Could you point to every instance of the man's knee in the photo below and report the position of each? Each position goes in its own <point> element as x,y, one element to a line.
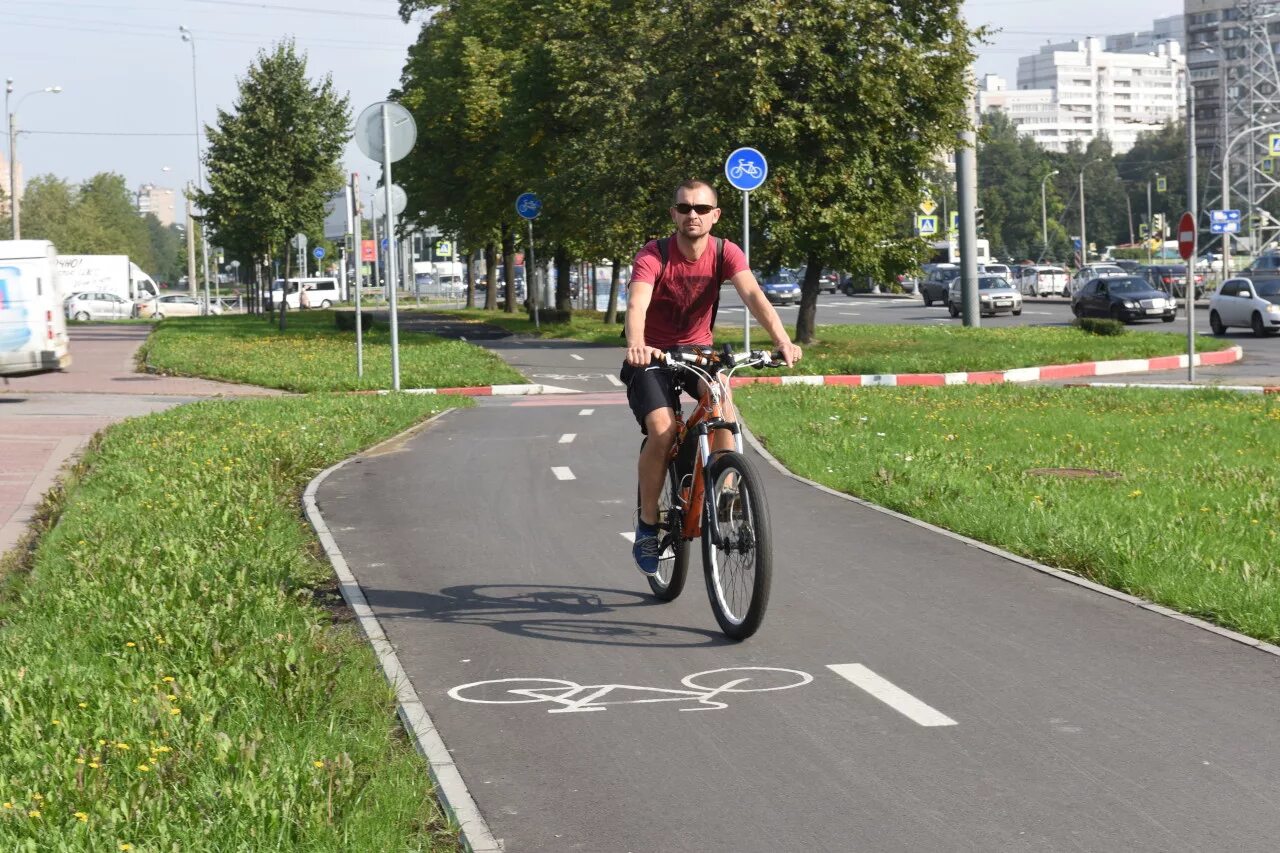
<point>660,425</point>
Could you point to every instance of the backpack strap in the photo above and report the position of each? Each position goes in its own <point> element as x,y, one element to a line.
<point>664,252</point>
<point>715,309</point>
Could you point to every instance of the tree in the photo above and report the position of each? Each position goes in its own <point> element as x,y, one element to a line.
<point>273,162</point>
<point>97,217</point>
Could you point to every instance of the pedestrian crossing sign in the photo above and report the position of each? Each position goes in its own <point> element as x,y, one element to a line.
<point>1162,184</point>
<point>926,225</point>
<point>1273,144</point>
<point>954,225</point>
<point>1268,165</point>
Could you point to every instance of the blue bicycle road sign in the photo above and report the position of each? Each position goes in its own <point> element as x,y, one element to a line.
<point>318,251</point>
<point>528,205</point>
<point>746,169</point>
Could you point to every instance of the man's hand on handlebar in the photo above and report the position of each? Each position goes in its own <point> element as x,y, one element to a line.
<point>790,353</point>
<point>643,356</point>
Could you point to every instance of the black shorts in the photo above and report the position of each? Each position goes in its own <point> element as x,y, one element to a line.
<point>650,388</point>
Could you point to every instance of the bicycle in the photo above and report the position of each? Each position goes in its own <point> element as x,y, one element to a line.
<point>715,495</point>
<point>745,167</point>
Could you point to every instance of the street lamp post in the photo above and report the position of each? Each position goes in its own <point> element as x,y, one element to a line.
<point>1226,186</point>
<point>1084,241</point>
<point>190,39</point>
<point>13,147</point>
<point>1044,214</point>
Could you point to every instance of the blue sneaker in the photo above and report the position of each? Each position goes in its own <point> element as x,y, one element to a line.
<point>646,548</point>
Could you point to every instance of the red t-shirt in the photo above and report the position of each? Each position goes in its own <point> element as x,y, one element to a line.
<point>680,311</point>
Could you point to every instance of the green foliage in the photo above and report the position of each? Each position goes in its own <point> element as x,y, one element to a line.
<point>1104,326</point>
<point>98,217</point>
<point>273,161</point>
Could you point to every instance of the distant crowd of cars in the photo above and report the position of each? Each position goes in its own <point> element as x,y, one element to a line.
<point>89,306</point>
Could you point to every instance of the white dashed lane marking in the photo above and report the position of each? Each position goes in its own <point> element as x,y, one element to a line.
<point>892,695</point>
<point>568,437</point>
<point>562,473</point>
<point>574,355</point>
<point>586,411</point>
<point>613,379</point>
<point>630,536</point>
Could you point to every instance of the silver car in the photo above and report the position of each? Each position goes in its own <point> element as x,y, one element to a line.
<point>995,296</point>
<point>1248,303</point>
<point>97,306</point>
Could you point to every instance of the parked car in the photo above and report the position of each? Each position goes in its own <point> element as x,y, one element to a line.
<point>995,296</point>
<point>1125,298</point>
<point>935,284</point>
<point>1172,278</point>
<point>828,280</point>
<point>1244,302</point>
<point>1001,270</point>
<point>97,306</point>
<point>781,288</point>
<point>1129,266</point>
<point>176,305</point>
<point>1088,273</point>
<point>1266,265</point>
<point>1042,280</point>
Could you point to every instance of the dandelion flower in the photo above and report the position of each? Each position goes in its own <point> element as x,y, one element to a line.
<point>167,679</point>
<point>33,813</point>
<point>95,765</point>
<point>82,817</point>
<point>79,761</point>
<point>125,845</point>
<point>82,704</point>
<point>175,711</point>
<point>56,722</point>
<point>144,767</point>
<point>1136,493</point>
<point>124,746</point>
<point>8,805</point>
<point>130,644</point>
<point>314,764</point>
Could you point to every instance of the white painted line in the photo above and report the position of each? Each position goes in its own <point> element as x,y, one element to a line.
<point>890,694</point>
<point>575,356</point>
<point>613,380</point>
<point>568,437</point>
<point>586,412</point>
<point>630,536</point>
<point>850,314</point>
<point>562,473</point>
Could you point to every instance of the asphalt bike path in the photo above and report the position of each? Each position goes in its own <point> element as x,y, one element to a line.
<point>907,690</point>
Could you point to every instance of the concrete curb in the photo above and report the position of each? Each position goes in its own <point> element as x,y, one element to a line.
<point>996,377</point>
<point>451,790</point>
<point>484,390</point>
<point>1141,603</point>
<point>1183,386</point>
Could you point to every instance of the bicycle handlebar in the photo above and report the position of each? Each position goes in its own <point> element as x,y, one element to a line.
<point>707,357</point>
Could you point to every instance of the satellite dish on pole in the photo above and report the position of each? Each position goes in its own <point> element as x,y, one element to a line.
<point>398,201</point>
<point>402,135</point>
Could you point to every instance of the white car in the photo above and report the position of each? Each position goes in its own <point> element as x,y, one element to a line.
<point>1246,303</point>
<point>995,296</point>
<point>176,305</point>
<point>97,306</point>
<point>1089,272</point>
<point>1042,280</point>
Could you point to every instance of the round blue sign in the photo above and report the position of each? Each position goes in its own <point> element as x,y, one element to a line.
<point>318,251</point>
<point>528,205</point>
<point>746,169</point>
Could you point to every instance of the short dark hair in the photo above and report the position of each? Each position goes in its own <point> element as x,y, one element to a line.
<point>692,184</point>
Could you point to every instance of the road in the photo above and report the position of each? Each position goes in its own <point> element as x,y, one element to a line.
<point>927,695</point>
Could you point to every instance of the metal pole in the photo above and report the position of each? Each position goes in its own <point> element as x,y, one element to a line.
<point>1150,223</point>
<point>13,170</point>
<point>531,277</point>
<point>966,201</point>
<point>1084,241</point>
<point>391,255</point>
<point>1190,292</point>
<point>746,252</point>
<point>359,284</point>
<point>1044,214</point>
<point>1226,236</point>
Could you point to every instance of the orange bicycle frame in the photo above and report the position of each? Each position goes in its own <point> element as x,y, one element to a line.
<point>706,417</point>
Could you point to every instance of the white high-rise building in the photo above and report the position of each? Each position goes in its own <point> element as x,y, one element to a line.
<point>1077,91</point>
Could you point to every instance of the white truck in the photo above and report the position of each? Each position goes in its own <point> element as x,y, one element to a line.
<point>33,330</point>
<point>105,274</point>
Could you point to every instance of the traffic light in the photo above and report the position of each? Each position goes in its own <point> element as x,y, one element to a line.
<point>1142,230</point>
<point>979,219</point>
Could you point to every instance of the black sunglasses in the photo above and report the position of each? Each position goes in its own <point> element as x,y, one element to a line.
<point>701,209</point>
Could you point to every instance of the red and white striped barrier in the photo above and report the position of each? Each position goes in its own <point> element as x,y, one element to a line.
<point>996,377</point>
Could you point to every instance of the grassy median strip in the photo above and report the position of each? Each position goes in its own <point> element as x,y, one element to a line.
<point>857,349</point>
<point>175,672</point>
<point>1171,496</point>
<point>313,355</point>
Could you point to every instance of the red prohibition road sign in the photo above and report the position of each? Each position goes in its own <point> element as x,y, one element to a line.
<point>1187,236</point>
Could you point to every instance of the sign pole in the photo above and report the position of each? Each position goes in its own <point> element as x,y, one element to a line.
<point>1187,248</point>
<point>746,252</point>
<point>531,277</point>
<point>391,254</point>
<point>358,284</point>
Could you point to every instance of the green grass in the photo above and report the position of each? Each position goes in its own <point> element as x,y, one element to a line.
<point>857,349</point>
<point>1191,523</point>
<point>170,677</point>
<point>312,355</point>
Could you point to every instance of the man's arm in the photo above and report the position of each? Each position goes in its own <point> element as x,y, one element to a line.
<point>638,295</point>
<point>753,297</point>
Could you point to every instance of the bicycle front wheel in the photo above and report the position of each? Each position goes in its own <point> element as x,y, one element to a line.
<point>737,551</point>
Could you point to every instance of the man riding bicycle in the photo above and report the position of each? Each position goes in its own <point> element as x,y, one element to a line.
<point>671,302</point>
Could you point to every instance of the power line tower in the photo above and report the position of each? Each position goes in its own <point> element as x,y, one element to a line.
<point>1232,64</point>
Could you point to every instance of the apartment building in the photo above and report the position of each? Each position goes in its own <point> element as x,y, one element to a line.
<point>161,201</point>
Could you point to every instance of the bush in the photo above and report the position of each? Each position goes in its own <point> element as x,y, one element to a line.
<point>1099,326</point>
<point>346,321</point>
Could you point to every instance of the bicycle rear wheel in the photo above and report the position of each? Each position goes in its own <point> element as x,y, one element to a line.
<point>737,551</point>
<point>673,558</point>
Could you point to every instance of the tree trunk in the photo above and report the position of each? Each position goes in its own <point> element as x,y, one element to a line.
<point>808,312</point>
<point>284,291</point>
<point>611,313</point>
<point>564,293</point>
<point>491,275</point>
<point>509,267</point>
<point>470,279</point>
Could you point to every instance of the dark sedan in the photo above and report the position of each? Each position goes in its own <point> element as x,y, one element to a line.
<point>1172,278</point>
<point>1124,298</point>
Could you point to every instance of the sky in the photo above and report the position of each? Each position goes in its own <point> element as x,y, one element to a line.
<point>128,82</point>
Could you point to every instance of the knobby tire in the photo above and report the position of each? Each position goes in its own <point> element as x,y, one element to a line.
<point>739,569</point>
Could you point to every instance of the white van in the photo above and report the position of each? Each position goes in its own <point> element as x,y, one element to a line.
<point>317,292</point>
<point>1042,280</point>
<point>33,329</point>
